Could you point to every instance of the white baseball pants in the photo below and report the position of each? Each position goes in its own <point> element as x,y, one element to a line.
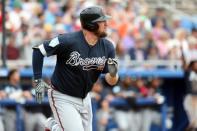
<point>71,113</point>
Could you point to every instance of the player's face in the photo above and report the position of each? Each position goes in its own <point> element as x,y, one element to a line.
<point>102,31</point>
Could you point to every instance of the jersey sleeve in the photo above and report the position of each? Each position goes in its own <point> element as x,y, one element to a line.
<point>53,46</point>
<point>111,54</point>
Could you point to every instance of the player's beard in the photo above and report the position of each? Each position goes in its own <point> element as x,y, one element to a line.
<point>100,34</point>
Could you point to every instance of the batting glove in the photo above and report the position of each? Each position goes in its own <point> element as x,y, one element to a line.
<point>40,86</point>
<point>112,66</point>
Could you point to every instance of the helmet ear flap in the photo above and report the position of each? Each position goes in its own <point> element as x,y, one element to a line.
<point>90,26</point>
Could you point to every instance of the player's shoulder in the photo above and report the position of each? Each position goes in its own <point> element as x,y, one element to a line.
<point>108,43</point>
<point>68,36</point>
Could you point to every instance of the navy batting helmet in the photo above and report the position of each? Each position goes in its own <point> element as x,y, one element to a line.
<point>90,16</point>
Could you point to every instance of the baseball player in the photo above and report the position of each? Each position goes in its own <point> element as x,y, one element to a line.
<point>189,60</point>
<point>81,57</point>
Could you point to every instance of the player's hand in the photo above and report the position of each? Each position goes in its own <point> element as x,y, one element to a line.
<point>40,86</point>
<point>112,66</point>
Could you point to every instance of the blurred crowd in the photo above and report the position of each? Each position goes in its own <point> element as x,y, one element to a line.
<point>32,117</point>
<point>136,30</point>
<point>131,117</point>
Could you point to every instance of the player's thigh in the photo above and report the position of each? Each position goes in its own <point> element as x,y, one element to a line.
<point>68,117</point>
<point>66,114</point>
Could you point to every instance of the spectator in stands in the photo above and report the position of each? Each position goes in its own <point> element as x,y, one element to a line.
<point>142,21</point>
<point>27,38</point>
<point>23,40</point>
<point>180,41</point>
<point>32,121</point>
<point>149,42</point>
<point>141,87</point>
<point>13,52</point>
<point>176,22</point>
<point>160,13</point>
<point>162,44</point>
<point>174,53</point>
<point>50,13</point>
<point>128,41</point>
<point>154,86</point>
<point>138,52</point>
<point>153,53</point>
<point>15,18</point>
<point>68,16</point>
<point>158,29</point>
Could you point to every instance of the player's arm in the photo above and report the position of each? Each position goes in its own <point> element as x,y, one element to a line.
<point>37,63</point>
<point>111,66</point>
<point>48,48</point>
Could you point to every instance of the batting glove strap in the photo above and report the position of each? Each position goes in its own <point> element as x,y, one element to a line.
<point>112,66</point>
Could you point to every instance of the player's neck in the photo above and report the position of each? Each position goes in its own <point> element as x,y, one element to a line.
<point>90,37</point>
